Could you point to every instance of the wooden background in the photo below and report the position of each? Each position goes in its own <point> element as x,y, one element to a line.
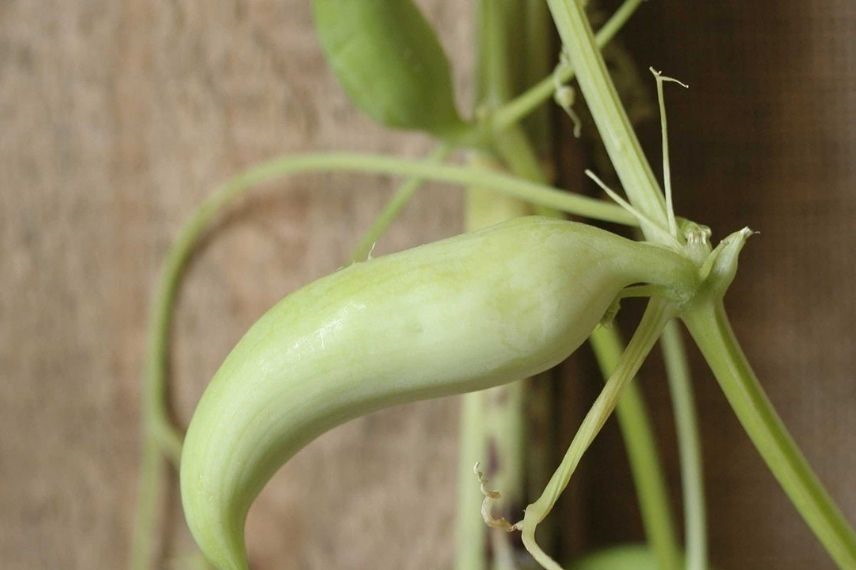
<point>116,118</point>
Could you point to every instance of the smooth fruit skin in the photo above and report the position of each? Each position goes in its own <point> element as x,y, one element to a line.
<point>458,315</point>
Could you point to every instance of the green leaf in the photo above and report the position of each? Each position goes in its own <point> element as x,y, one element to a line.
<point>624,557</point>
<point>390,62</point>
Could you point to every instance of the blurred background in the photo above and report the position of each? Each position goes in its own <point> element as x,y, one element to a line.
<point>117,118</point>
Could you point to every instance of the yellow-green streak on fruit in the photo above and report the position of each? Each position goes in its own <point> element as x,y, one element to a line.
<point>458,315</point>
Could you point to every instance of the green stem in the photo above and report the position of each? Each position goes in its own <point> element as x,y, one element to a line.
<point>157,424</point>
<point>149,496</point>
<point>689,446</point>
<point>538,194</point>
<point>534,61</point>
<point>709,326</point>
<point>609,115</point>
<point>514,148</point>
<point>642,454</point>
<point>393,208</point>
<point>154,413</point>
<point>470,530</point>
<point>656,316</point>
<point>513,111</point>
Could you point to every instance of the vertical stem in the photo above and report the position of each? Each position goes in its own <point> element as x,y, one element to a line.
<point>618,136</point>
<point>470,530</point>
<point>642,455</point>
<point>149,496</point>
<point>709,326</point>
<point>689,446</point>
<point>537,56</point>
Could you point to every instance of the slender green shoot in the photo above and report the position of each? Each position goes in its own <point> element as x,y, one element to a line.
<point>664,131</point>
<point>469,529</point>
<point>708,323</point>
<point>149,494</point>
<point>393,208</point>
<point>642,455</point>
<point>689,446</point>
<point>655,226</point>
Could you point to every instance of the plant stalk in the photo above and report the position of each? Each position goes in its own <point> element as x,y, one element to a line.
<point>689,447</point>
<point>642,454</point>
<point>609,115</point>
<point>523,104</point>
<point>708,323</point>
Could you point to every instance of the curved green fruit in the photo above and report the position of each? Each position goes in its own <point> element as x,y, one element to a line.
<point>458,315</point>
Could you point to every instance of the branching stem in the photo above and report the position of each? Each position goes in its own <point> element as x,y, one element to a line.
<point>515,110</point>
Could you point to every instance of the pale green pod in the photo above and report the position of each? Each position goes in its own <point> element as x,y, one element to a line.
<point>390,63</point>
<point>462,314</point>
